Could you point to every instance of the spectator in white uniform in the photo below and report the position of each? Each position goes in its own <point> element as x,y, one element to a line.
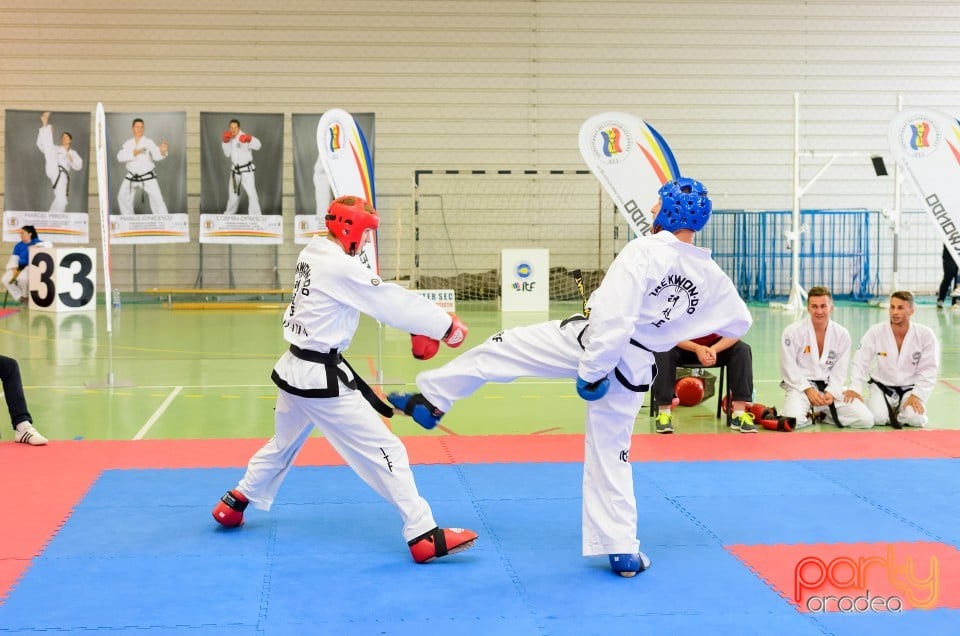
<point>814,360</point>
<point>901,360</point>
<point>139,155</point>
<point>661,289</point>
<point>58,161</point>
<point>238,146</point>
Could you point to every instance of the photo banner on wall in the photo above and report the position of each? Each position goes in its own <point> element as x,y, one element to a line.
<point>312,192</point>
<point>241,178</point>
<point>47,178</point>
<point>147,173</point>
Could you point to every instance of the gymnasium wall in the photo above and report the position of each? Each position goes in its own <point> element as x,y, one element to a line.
<point>503,84</point>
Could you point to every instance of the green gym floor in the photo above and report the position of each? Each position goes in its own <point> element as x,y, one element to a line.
<point>195,374</point>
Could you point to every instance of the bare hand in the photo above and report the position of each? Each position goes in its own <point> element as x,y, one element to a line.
<point>815,397</point>
<point>849,396</point>
<point>163,148</point>
<point>706,356</point>
<point>915,403</point>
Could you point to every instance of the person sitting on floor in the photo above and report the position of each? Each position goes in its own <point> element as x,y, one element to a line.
<point>901,360</point>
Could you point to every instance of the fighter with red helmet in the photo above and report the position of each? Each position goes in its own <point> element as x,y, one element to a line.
<point>318,388</point>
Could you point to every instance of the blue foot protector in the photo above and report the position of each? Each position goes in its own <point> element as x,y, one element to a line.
<point>629,564</point>
<point>417,407</point>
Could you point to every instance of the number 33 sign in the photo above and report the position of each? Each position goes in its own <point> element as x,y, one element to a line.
<point>63,279</point>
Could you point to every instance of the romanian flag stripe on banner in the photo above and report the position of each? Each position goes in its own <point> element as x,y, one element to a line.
<point>631,160</point>
<point>926,146</point>
<point>348,164</point>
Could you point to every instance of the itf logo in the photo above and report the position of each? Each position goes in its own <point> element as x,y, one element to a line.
<point>523,271</point>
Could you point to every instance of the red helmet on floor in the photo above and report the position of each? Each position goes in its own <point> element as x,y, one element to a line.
<point>349,218</point>
<point>689,391</point>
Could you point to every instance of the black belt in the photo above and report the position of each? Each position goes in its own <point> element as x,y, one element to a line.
<point>138,178</point>
<point>237,171</point>
<point>821,386</point>
<point>636,388</point>
<point>62,172</point>
<point>331,360</point>
<point>893,392</point>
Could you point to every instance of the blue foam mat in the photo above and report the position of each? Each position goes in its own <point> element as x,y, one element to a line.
<point>329,558</point>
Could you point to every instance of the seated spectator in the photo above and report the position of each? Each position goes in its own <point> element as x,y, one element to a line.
<point>901,360</point>
<point>18,285</point>
<point>23,429</point>
<point>708,351</point>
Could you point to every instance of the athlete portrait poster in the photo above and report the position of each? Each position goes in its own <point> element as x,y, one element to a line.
<point>47,174</point>
<point>147,172</point>
<point>241,178</point>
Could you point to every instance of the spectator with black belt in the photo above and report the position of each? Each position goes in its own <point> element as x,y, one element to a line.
<point>814,359</point>
<point>901,360</point>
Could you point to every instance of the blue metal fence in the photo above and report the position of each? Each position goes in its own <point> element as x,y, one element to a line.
<point>838,249</point>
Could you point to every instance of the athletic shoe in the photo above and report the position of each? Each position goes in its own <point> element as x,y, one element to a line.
<point>939,304</point>
<point>628,565</point>
<point>441,542</point>
<point>26,434</point>
<point>744,423</point>
<point>956,291</point>
<point>664,422</point>
<point>417,407</point>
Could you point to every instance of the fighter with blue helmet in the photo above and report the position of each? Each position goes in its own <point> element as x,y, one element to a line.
<point>659,290</point>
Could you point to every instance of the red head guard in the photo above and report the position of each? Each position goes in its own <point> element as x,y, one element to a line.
<point>689,390</point>
<point>348,218</point>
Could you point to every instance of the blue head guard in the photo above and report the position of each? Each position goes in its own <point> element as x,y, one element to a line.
<point>684,205</point>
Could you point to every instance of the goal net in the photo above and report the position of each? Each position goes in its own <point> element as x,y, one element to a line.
<point>463,219</point>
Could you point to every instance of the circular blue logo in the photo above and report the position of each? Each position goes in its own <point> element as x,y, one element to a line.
<point>524,270</point>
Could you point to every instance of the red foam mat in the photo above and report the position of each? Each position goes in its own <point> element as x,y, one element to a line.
<point>46,483</point>
<point>845,577</point>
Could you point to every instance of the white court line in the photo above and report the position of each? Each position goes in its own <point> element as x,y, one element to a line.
<point>156,414</point>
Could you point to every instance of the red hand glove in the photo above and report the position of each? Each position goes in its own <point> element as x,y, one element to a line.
<point>423,347</point>
<point>227,136</point>
<point>456,334</point>
<point>245,138</point>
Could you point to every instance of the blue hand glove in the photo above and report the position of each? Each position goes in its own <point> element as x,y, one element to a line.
<point>591,391</point>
